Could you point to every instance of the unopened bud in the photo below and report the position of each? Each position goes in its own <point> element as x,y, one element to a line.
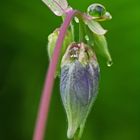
<point>79,85</point>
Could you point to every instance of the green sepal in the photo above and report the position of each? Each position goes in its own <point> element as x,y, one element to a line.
<point>52,38</point>
<point>101,47</point>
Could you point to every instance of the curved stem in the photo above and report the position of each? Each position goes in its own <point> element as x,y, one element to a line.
<point>46,95</point>
<point>81,31</point>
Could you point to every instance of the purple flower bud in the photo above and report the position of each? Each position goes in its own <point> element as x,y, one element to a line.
<point>79,85</point>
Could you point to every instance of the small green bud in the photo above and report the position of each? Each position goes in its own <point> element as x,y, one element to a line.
<point>52,38</point>
<point>79,85</point>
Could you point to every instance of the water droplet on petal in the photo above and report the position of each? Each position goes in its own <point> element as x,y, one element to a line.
<point>109,63</point>
<point>108,15</point>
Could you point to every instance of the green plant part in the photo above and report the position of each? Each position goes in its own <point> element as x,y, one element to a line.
<point>52,38</point>
<point>101,47</point>
<point>75,63</point>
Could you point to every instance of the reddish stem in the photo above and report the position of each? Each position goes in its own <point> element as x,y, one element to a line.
<point>46,95</point>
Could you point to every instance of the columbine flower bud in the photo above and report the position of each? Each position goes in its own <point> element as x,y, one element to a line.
<point>79,85</point>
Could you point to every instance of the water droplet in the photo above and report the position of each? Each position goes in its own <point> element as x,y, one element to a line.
<point>109,63</point>
<point>108,15</point>
<point>96,10</point>
<point>86,37</point>
<point>76,19</point>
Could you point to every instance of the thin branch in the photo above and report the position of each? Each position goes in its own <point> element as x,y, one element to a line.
<point>47,91</point>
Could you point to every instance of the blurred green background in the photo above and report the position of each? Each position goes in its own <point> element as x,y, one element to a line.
<point>24,27</point>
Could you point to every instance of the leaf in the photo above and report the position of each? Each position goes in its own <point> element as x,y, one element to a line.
<point>58,7</point>
<point>101,46</point>
<point>95,27</point>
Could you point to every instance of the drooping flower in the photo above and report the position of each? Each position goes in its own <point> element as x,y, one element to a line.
<point>79,85</point>
<point>80,72</point>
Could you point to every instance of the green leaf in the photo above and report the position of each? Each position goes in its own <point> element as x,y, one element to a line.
<point>95,27</point>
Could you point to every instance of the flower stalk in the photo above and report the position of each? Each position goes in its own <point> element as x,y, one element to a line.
<point>39,131</point>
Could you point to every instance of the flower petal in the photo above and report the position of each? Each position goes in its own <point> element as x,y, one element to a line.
<point>58,7</point>
<point>95,27</point>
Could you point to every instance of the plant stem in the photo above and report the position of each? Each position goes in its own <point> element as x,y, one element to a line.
<point>46,95</point>
<point>72,31</point>
<point>81,31</point>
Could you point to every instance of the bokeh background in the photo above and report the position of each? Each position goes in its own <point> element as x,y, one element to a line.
<point>24,27</point>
